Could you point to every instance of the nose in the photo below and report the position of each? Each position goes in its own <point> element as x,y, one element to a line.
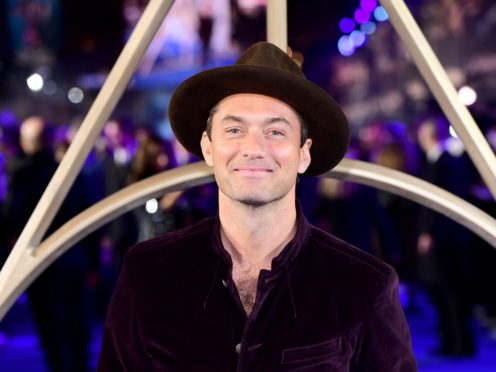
<point>253,146</point>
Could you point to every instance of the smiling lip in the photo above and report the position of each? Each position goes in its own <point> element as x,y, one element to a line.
<point>252,170</point>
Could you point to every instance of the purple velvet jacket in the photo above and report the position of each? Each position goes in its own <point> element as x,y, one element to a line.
<point>324,306</point>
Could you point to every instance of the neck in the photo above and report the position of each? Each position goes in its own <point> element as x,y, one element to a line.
<point>253,236</point>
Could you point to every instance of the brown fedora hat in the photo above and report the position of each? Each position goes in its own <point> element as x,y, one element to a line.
<point>262,69</point>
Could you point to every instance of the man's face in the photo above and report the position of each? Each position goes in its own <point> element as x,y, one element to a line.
<point>255,149</point>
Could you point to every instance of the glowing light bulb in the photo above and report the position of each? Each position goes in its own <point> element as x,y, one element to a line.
<point>35,82</point>
<point>151,206</point>
<point>467,95</point>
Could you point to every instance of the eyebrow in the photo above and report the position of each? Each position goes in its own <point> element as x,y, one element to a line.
<point>271,120</point>
<point>232,118</point>
<point>278,119</point>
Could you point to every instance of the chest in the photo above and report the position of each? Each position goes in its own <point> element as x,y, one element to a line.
<point>247,289</point>
<point>216,336</point>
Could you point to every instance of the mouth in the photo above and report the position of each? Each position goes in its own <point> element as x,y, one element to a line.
<point>253,170</point>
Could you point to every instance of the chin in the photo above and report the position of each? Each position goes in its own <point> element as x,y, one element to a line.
<point>257,201</point>
<point>253,202</point>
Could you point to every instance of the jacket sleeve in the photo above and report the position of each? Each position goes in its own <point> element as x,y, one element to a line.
<point>384,343</point>
<point>122,349</point>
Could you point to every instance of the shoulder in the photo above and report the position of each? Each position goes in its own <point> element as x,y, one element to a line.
<point>172,264</point>
<point>348,262</point>
<point>176,243</point>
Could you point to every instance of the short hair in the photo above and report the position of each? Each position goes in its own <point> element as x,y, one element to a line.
<point>303,125</point>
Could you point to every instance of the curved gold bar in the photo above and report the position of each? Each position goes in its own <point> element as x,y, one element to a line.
<point>16,278</point>
<point>419,191</point>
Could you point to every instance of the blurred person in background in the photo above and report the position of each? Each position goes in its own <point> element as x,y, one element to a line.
<point>485,254</point>
<point>400,153</point>
<point>58,296</point>
<point>443,246</point>
<point>156,216</point>
<point>118,148</point>
<point>351,211</point>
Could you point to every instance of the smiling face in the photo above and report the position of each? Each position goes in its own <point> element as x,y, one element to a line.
<point>255,149</point>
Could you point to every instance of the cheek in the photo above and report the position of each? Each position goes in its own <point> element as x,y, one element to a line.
<point>287,153</point>
<point>224,152</point>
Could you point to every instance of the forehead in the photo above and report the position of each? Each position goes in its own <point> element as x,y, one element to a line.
<point>256,104</point>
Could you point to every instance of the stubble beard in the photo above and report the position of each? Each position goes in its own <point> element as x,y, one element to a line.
<point>253,201</point>
<point>258,203</point>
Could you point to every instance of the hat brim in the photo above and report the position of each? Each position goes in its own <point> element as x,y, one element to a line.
<point>327,125</point>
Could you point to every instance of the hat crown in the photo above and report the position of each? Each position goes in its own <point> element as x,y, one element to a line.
<point>268,55</point>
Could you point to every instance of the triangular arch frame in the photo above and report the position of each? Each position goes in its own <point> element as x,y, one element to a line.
<point>30,256</point>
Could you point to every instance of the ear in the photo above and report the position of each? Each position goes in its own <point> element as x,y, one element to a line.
<point>305,157</point>
<point>206,146</point>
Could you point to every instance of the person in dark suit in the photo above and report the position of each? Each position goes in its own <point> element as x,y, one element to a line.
<point>443,246</point>
<point>58,296</point>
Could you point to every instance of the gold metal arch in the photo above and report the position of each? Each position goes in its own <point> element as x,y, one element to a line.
<point>199,173</point>
<point>29,258</point>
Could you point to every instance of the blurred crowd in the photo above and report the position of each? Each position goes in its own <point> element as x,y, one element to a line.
<point>431,253</point>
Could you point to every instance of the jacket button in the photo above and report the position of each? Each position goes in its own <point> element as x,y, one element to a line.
<point>238,348</point>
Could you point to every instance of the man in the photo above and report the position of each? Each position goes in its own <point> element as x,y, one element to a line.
<point>58,296</point>
<point>256,288</point>
<point>444,247</point>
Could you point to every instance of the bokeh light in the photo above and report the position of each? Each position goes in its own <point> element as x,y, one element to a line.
<point>357,38</point>
<point>35,82</point>
<point>368,28</point>
<point>368,5</point>
<point>361,16</point>
<point>151,206</point>
<point>75,95</point>
<point>50,88</point>
<point>346,25</point>
<point>345,46</point>
<point>380,14</point>
<point>467,95</point>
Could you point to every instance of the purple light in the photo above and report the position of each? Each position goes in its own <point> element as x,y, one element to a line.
<point>368,5</point>
<point>357,38</point>
<point>345,46</point>
<point>346,25</point>
<point>368,28</point>
<point>7,118</point>
<point>361,16</point>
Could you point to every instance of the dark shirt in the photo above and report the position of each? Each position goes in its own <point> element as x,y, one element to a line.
<point>324,305</point>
